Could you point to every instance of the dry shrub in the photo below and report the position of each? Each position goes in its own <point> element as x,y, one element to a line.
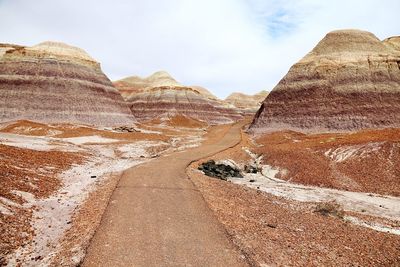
<point>331,208</point>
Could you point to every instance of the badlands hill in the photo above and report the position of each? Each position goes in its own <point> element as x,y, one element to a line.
<point>247,103</point>
<point>135,84</point>
<point>393,43</point>
<point>203,91</point>
<point>349,81</point>
<point>53,82</point>
<point>160,96</point>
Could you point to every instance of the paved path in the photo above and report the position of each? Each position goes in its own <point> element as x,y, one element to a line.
<point>157,217</point>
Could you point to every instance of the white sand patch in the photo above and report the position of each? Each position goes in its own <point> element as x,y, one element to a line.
<point>373,225</point>
<point>29,142</point>
<point>88,139</point>
<point>187,146</point>
<point>230,163</point>
<point>29,130</point>
<point>28,197</point>
<point>365,203</point>
<point>148,131</point>
<point>255,158</point>
<point>138,149</point>
<point>7,205</point>
<point>40,143</point>
<point>52,216</point>
<point>9,202</point>
<point>54,213</point>
<point>347,152</point>
<point>184,143</point>
<point>249,152</point>
<point>271,172</point>
<point>5,210</point>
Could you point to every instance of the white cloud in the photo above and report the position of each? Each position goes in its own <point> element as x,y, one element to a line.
<point>225,45</point>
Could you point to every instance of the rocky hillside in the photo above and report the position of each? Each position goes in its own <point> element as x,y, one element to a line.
<point>160,96</point>
<point>349,81</point>
<point>135,84</point>
<point>247,103</point>
<point>55,82</point>
<point>203,91</point>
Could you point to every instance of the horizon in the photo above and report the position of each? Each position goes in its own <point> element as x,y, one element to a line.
<point>238,48</point>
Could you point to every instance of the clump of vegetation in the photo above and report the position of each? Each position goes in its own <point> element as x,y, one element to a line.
<point>331,208</point>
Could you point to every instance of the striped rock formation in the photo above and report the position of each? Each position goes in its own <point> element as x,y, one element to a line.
<point>56,83</point>
<point>349,81</point>
<point>247,103</point>
<point>161,96</point>
<point>135,84</point>
<point>203,91</point>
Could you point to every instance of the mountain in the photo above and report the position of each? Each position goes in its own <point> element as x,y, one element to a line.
<point>349,81</point>
<point>161,96</point>
<point>203,91</point>
<point>135,84</point>
<point>54,82</point>
<point>247,103</point>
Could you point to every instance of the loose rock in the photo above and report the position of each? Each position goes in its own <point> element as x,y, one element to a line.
<point>221,171</point>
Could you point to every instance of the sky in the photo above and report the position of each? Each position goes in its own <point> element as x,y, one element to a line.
<point>224,45</point>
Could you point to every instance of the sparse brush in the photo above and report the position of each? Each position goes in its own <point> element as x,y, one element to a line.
<point>331,208</point>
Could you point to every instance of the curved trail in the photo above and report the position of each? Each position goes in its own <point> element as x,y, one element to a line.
<point>157,217</point>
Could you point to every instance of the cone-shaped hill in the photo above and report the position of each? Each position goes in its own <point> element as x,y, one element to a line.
<point>349,81</point>
<point>53,82</point>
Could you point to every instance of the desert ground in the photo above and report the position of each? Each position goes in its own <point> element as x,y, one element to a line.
<point>73,194</point>
<point>287,214</point>
<point>149,170</point>
<point>56,181</point>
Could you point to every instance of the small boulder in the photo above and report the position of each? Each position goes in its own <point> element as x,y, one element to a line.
<point>251,169</point>
<point>220,171</point>
<point>126,129</point>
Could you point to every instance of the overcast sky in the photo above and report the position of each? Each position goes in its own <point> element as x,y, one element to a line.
<point>223,45</point>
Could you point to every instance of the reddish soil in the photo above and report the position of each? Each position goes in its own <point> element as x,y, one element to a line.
<point>275,231</point>
<point>303,156</point>
<point>84,224</point>
<point>27,127</point>
<point>29,171</point>
<point>183,121</point>
<point>37,169</point>
<point>69,130</point>
<point>36,172</point>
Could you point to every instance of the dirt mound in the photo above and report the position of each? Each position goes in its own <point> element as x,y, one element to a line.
<point>186,122</point>
<point>26,127</point>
